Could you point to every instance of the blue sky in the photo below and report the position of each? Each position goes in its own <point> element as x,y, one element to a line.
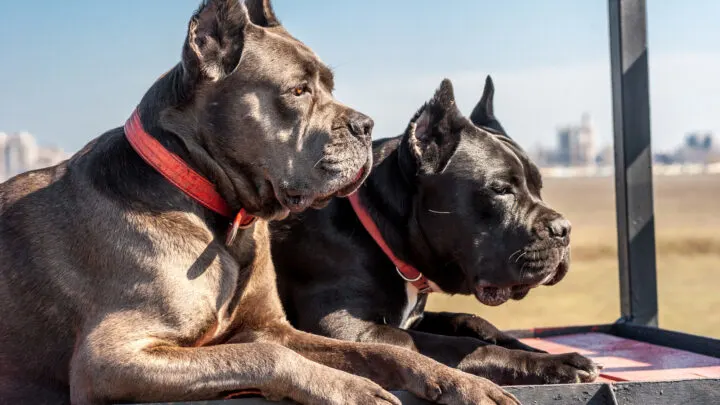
<point>71,70</point>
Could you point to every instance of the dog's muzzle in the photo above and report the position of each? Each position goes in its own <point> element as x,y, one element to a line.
<point>547,267</point>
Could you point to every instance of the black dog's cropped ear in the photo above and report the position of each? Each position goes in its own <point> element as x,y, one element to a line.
<point>433,134</point>
<point>215,38</point>
<point>261,13</point>
<point>483,115</point>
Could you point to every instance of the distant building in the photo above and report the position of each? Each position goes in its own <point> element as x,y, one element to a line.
<point>606,156</point>
<point>663,158</point>
<point>20,152</point>
<point>575,144</point>
<point>698,147</point>
<point>699,141</point>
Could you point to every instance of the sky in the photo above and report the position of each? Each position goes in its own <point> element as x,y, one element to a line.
<point>71,70</point>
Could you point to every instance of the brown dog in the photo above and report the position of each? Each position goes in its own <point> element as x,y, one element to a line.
<point>118,282</point>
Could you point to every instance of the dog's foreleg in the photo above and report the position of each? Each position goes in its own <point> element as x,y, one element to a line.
<point>470,354</point>
<point>455,324</point>
<point>157,372</point>
<point>397,368</point>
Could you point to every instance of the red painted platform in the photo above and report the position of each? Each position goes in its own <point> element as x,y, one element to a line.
<point>630,360</point>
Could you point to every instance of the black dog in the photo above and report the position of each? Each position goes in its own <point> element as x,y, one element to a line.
<point>456,199</point>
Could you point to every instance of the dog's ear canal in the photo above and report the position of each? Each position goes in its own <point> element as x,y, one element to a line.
<point>261,13</point>
<point>214,43</point>
<point>483,115</point>
<point>433,135</point>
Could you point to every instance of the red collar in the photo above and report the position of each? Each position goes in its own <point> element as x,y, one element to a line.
<point>405,270</point>
<point>177,172</point>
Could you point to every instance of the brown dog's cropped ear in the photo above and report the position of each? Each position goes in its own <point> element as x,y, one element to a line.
<point>483,115</point>
<point>433,134</point>
<point>261,13</point>
<point>215,38</point>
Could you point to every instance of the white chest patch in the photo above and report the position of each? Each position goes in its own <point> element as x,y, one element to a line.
<point>412,298</point>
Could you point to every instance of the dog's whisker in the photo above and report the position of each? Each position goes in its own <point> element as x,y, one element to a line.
<point>513,254</point>
<point>522,271</point>
<point>439,212</point>
<point>318,162</point>
<point>520,257</point>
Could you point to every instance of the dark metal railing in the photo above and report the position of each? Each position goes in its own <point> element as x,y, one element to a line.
<point>633,162</point>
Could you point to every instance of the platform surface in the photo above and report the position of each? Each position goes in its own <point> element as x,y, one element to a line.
<point>630,360</point>
<point>634,373</point>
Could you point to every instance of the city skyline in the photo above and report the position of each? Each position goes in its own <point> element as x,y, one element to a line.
<point>576,145</point>
<point>20,152</point>
<point>575,154</point>
<point>606,141</point>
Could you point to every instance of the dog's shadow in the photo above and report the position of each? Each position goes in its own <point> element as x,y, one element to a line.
<point>203,262</point>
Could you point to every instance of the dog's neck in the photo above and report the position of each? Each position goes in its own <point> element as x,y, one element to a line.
<point>390,199</point>
<point>170,115</point>
<point>142,183</point>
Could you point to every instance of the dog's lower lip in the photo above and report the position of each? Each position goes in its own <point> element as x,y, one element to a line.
<point>354,184</point>
<point>519,292</point>
<point>557,276</point>
<point>493,296</point>
<point>284,213</point>
<point>296,203</point>
<point>359,175</point>
<point>321,203</point>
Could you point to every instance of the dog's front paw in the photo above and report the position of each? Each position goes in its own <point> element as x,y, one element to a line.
<point>463,388</point>
<point>334,387</point>
<point>563,368</point>
<point>515,367</point>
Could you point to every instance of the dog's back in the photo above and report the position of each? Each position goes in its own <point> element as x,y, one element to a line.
<point>28,207</point>
<point>40,293</point>
<point>18,187</point>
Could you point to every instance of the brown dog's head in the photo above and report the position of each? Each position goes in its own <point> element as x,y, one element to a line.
<point>254,107</point>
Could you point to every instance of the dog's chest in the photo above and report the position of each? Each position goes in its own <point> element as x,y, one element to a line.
<point>414,306</point>
<point>241,298</point>
<point>211,290</point>
<point>247,296</point>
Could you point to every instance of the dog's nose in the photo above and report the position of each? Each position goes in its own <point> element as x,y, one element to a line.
<point>559,228</point>
<point>361,125</point>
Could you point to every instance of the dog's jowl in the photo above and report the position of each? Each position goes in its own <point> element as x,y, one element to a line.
<point>452,206</point>
<point>139,270</point>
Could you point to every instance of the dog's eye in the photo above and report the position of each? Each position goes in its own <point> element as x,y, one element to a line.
<point>300,90</point>
<point>501,189</point>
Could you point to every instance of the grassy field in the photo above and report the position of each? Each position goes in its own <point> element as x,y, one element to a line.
<point>688,256</point>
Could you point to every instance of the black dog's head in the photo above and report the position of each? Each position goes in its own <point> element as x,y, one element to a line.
<point>478,206</point>
<point>258,104</point>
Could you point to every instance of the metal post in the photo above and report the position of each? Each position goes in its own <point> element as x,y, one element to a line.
<point>633,162</point>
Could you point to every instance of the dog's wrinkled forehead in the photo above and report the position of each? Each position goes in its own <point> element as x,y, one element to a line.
<point>282,55</point>
<point>494,156</point>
